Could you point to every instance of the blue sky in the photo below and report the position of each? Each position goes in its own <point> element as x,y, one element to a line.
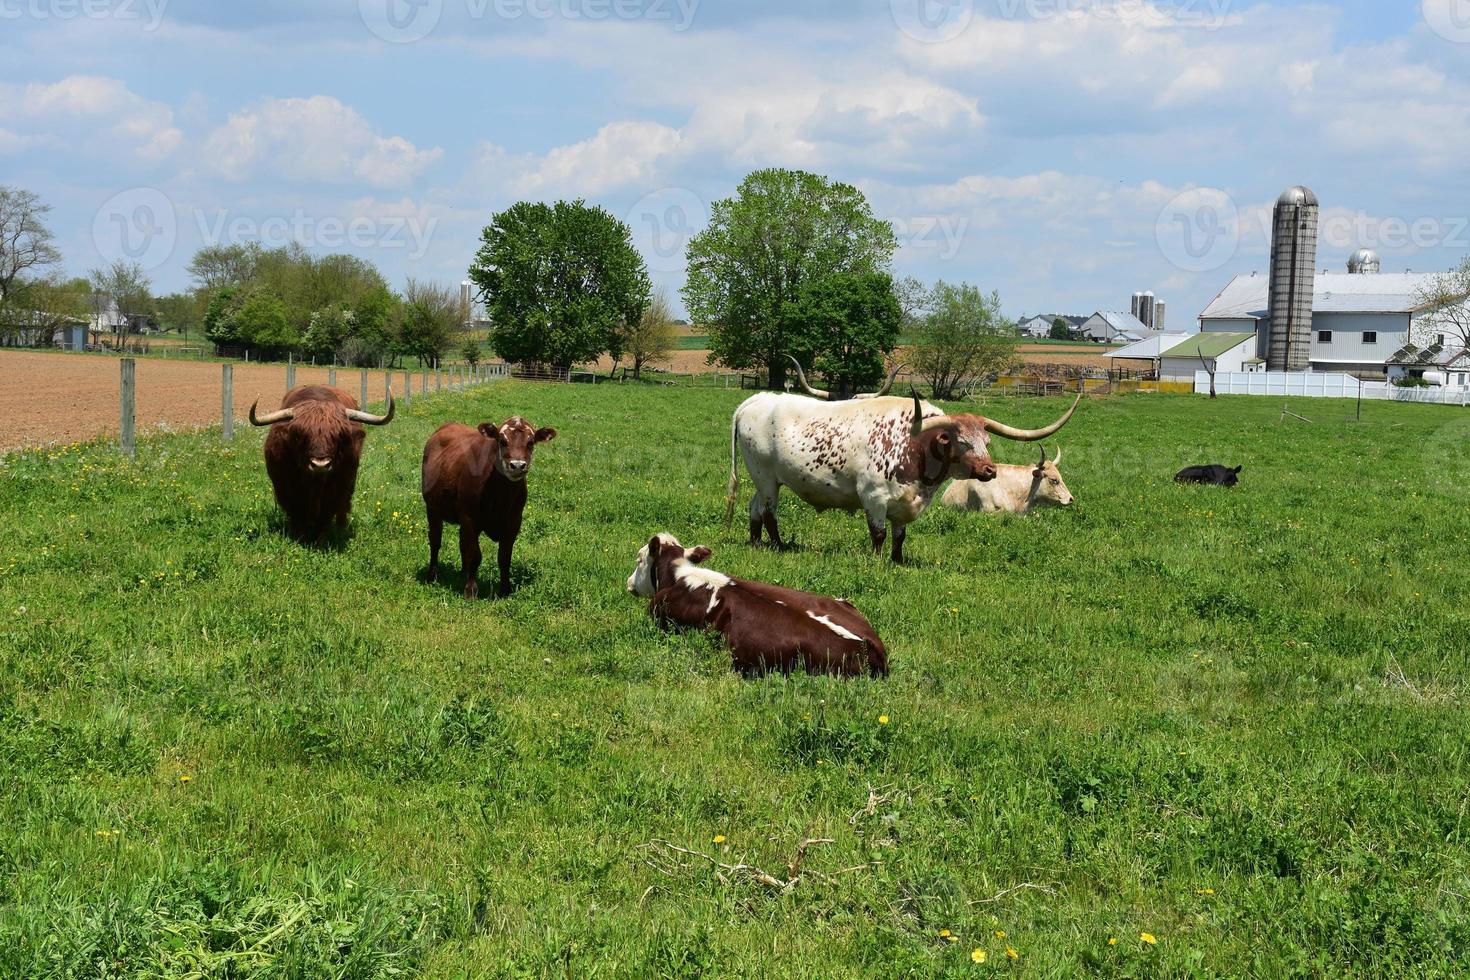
<point>1063,152</point>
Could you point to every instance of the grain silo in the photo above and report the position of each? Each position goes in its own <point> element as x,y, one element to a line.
<point>1293,275</point>
<point>1364,262</point>
<point>1146,309</point>
<point>1158,323</point>
<point>1137,308</point>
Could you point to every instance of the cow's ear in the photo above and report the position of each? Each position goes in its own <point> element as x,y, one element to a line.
<point>1239,468</point>
<point>698,555</point>
<point>545,434</point>
<point>653,546</point>
<point>489,431</point>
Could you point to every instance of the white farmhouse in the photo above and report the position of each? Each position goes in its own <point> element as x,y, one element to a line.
<point>1359,321</point>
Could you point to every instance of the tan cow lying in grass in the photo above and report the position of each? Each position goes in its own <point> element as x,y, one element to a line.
<point>1015,489</point>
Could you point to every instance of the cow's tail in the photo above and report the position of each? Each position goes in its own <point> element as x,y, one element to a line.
<point>734,486</point>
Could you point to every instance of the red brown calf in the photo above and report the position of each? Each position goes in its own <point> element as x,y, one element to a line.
<point>312,454</point>
<point>766,627</point>
<point>476,478</point>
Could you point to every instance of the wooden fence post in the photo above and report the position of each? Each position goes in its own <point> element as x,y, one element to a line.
<point>438,377</point>
<point>407,387</point>
<point>424,379</point>
<point>362,401</point>
<point>332,377</point>
<point>290,375</point>
<point>128,390</point>
<point>227,401</point>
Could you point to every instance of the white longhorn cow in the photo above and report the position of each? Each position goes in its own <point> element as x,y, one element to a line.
<point>887,457</point>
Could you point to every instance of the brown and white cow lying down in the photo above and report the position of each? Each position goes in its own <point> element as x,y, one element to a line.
<point>1015,489</point>
<point>766,627</point>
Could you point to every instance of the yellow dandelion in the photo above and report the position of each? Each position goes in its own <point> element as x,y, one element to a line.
<point>944,933</point>
<point>977,956</point>
<point>952,939</point>
<point>186,779</point>
<point>1148,937</point>
<point>719,838</point>
<point>1011,952</point>
<point>1204,891</point>
<point>1112,940</point>
<point>882,719</point>
<point>1000,934</point>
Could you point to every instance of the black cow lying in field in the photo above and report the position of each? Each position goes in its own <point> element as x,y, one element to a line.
<point>1220,476</point>
<point>476,478</point>
<point>766,627</point>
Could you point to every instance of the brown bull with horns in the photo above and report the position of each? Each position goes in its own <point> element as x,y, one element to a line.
<point>312,454</point>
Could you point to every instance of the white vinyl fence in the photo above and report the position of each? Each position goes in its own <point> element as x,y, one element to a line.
<point>1312,384</point>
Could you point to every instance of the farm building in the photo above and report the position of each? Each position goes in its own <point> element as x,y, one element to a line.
<point>1223,352</point>
<point>1114,327</point>
<point>1144,354</point>
<point>1041,324</point>
<point>1359,319</point>
<point>1437,364</point>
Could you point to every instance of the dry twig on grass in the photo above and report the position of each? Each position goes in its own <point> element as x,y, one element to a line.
<point>664,858</point>
<point>1011,890</point>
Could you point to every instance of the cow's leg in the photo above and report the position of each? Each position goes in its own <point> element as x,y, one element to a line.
<point>763,513</point>
<point>900,531</point>
<point>877,515</point>
<point>504,556</point>
<point>469,558</point>
<point>436,538</point>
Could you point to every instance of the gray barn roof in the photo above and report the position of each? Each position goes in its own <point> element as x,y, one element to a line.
<point>1333,292</point>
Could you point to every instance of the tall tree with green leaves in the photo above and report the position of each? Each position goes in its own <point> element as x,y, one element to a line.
<point>842,325</point>
<point>561,282</point>
<point>782,229</point>
<point>965,335</point>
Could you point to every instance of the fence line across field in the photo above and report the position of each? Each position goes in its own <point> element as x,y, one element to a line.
<point>461,379</point>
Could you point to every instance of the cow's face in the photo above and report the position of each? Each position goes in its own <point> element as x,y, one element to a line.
<point>660,552</point>
<point>321,440</point>
<point>965,449</point>
<point>517,439</point>
<point>1050,490</point>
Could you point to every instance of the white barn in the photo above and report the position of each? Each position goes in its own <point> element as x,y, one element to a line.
<point>1219,350</point>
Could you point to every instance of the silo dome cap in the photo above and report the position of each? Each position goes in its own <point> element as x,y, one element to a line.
<point>1297,195</point>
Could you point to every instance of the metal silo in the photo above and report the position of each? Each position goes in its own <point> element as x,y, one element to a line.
<point>1293,274</point>
<point>1158,323</point>
<point>1364,262</point>
<point>1146,309</point>
<point>1137,308</point>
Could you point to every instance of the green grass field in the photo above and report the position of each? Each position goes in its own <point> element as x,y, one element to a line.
<point>1173,731</point>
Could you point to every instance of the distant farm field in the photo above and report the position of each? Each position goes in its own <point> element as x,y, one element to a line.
<point>1172,731</point>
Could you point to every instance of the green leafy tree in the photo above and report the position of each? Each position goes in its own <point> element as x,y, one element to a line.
<point>220,326</point>
<point>328,331</point>
<point>428,320</point>
<point>262,323</point>
<point>652,336</point>
<point>121,297</point>
<point>560,281</point>
<point>842,325</point>
<point>965,335</point>
<point>179,312</point>
<point>471,352</point>
<point>782,229</point>
<point>1060,330</point>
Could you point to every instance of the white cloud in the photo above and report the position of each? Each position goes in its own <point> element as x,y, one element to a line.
<point>619,154</point>
<point>94,113</point>
<point>312,139</point>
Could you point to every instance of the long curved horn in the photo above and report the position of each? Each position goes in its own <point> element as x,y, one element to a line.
<point>1058,460</point>
<point>1043,458</point>
<point>1031,435</point>
<point>887,385</point>
<point>921,425</point>
<point>284,415</point>
<point>801,376</point>
<point>368,419</point>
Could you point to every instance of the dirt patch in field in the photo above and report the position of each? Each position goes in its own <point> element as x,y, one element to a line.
<point>51,398</point>
<point>1080,355</point>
